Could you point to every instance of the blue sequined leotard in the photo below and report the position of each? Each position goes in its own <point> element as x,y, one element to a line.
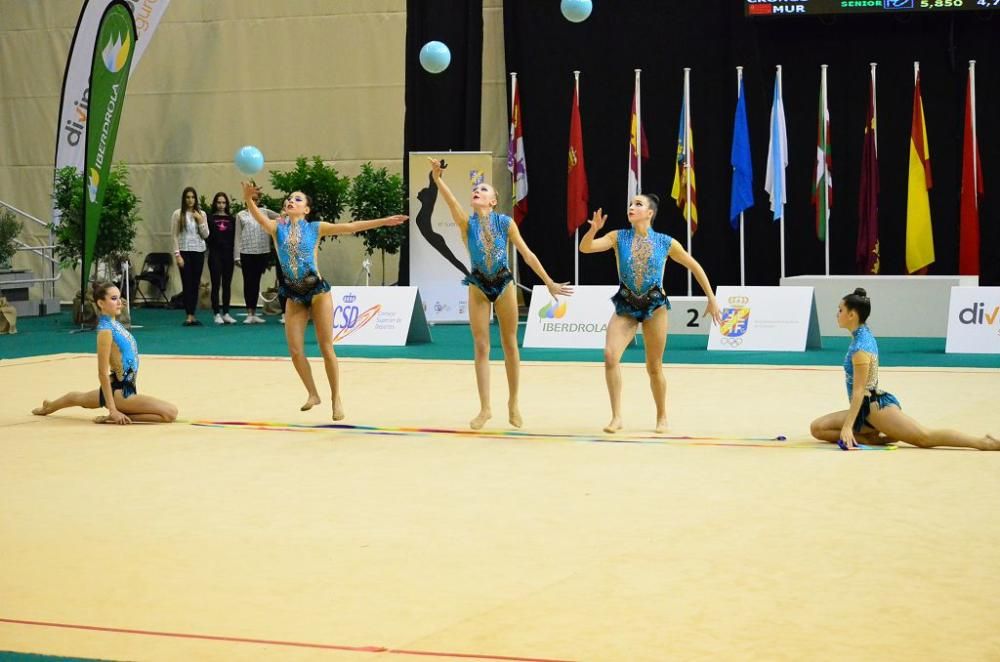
<point>864,341</point>
<point>125,371</point>
<point>296,244</point>
<point>640,273</point>
<point>488,250</point>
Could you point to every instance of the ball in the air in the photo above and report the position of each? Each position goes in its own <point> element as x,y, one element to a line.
<point>576,11</point>
<point>249,160</point>
<point>435,57</point>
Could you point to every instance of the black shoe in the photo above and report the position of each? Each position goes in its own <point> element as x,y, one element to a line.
<point>187,323</point>
<point>196,323</point>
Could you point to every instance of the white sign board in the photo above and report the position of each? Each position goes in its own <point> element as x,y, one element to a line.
<point>582,319</point>
<point>571,322</point>
<point>439,258</point>
<point>687,316</point>
<point>974,321</point>
<point>765,318</point>
<point>378,316</point>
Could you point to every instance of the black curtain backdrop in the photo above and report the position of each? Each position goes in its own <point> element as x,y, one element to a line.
<point>442,110</point>
<point>713,37</point>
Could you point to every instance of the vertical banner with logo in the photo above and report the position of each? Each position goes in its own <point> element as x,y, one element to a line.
<point>974,321</point>
<point>74,104</point>
<point>439,258</point>
<point>113,51</point>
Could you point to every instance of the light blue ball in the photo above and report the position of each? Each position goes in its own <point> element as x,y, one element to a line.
<point>435,57</point>
<point>249,160</point>
<point>576,11</point>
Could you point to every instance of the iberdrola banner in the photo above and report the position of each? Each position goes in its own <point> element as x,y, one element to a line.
<point>113,51</point>
<point>74,104</point>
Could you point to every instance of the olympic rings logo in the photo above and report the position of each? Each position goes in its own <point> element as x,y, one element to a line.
<point>730,342</point>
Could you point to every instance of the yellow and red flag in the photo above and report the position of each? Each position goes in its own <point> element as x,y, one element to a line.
<point>919,232</point>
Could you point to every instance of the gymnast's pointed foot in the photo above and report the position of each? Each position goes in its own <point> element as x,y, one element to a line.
<point>990,443</point>
<point>338,409</point>
<point>311,402</point>
<point>514,415</point>
<point>614,426</point>
<point>480,420</point>
<point>661,426</point>
<point>44,410</point>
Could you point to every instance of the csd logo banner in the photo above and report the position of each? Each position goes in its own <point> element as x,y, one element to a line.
<point>766,318</point>
<point>974,321</point>
<point>378,316</point>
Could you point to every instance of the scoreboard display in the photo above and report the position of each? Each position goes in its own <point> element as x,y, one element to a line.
<point>826,7</point>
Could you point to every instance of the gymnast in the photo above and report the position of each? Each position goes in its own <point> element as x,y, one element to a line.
<point>486,234</point>
<point>875,417</point>
<point>308,294</point>
<point>641,254</point>
<point>117,371</point>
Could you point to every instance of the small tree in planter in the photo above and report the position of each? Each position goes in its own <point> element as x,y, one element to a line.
<point>10,227</point>
<point>322,183</point>
<point>376,194</point>
<point>115,235</point>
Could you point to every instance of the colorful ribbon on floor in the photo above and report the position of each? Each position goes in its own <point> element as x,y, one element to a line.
<point>778,441</point>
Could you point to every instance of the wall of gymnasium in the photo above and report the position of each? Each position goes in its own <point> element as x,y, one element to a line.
<point>295,78</point>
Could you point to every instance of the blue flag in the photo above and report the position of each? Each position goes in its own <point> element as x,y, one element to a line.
<point>777,154</point>
<point>741,197</point>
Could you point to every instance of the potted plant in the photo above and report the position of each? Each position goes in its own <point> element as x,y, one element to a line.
<point>115,235</point>
<point>10,228</point>
<point>376,194</point>
<point>321,182</point>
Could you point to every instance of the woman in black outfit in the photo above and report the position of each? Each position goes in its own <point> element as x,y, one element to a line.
<point>221,242</point>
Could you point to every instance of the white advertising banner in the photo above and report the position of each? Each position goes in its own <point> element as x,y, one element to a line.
<point>974,321</point>
<point>439,258</point>
<point>74,104</point>
<point>765,318</point>
<point>378,316</point>
<point>581,321</point>
<point>571,322</point>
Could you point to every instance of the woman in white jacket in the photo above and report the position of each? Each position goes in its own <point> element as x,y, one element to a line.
<point>189,226</point>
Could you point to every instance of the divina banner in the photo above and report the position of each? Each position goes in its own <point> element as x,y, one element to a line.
<point>113,52</point>
<point>74,104</point>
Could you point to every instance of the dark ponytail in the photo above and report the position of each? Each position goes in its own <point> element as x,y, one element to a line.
<point>859,302</point>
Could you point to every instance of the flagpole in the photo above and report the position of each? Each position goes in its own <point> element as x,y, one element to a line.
<point>513,174</point>
<point>576,232</point>
<point>739,82</point>
<point>687,159</point>
<point>826,173</point>
<point>638,133</point>
<point>777,81</point>
<point>874,107</point>
<point>975,139</point>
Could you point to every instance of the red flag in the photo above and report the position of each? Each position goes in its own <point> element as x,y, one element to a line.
<point>577,193</point>
<point>972,188</point>
<point>866,255</point>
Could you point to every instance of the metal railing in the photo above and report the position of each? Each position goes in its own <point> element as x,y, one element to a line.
<point>44,252</point>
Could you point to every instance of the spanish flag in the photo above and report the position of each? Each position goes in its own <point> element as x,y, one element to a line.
<point>919,236</point>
